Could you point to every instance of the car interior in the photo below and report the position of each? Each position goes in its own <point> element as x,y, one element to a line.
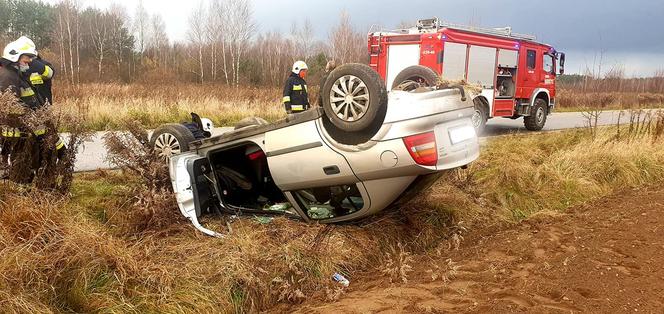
<point>329,202</point>
<point>244,179</point>
<point>245,184</point>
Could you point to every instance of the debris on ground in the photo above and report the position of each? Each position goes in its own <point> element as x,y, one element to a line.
<point>320,213</point>
<point>264,220</point>
<point>473,88</point>
<point>282,207</point>
<point>341,279</point>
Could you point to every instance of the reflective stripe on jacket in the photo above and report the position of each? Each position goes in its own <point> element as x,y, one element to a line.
<point>10,79</point>
<point>296,96</point>
<point>40,75</point>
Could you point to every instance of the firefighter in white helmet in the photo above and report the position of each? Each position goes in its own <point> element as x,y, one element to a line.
<point>296,97</point>
<point>40,74</point>
<point>15,64</point>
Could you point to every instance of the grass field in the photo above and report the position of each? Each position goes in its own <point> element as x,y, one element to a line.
<point>105,106</point>
<point>101,251</point>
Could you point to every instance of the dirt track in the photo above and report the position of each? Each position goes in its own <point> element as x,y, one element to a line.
<point>604,257</point>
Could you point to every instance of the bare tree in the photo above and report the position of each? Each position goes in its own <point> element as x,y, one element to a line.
<point>60,34</point>
<point>141,21</point>
<point>197,37</point>
<point>215,32</point>
<point>69,16</point>
<point>347,44</point>
<point>240,30</point>
<point>274,55</point>
<point>117,28</point>
<point>159,39</point>
<point>304,39</point>
<point>98,24</point>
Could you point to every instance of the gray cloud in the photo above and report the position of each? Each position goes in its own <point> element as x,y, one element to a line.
<point>630,31</point>
<point>575,25</point>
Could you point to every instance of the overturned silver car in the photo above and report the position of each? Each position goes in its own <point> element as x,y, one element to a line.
<point>362,152</point>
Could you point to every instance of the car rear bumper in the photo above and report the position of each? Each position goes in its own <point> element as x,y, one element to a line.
<point>457,143</point>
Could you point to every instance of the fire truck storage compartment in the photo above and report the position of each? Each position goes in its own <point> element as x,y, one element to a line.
<point>506,80</point>
<point>399,58</point>
<point>482,66</point>
<point>454,61</point>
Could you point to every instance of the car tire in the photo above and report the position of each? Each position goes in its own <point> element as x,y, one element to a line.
<point>537,118</point>
<point>171,139</point>
<point>420,75</point>
<point>481,115</point>
<point>355,98</point>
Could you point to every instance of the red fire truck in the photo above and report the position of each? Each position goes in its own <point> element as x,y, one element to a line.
<point>517,74</point>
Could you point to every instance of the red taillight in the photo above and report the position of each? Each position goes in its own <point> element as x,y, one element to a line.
<point>422,148</point>
<point>257,155</point>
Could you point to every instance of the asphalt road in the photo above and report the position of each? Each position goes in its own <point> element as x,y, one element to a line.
<point>92,155</point>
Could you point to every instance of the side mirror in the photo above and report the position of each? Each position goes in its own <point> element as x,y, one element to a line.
<point>562,63</point>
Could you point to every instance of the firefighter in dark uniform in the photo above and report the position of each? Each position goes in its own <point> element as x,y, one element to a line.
<point>40,75</point>
<point>15,64</point>
<point>296,97</point>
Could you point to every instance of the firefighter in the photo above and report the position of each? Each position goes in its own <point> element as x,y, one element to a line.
<point>16,60</point>
<point>40,74</point>
<point>296,98</point>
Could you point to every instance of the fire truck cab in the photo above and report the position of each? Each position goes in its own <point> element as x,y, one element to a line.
<point>517,74</point>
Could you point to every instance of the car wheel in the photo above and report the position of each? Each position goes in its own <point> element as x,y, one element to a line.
<point>537,118</point>
<point>355,98</point>
<point>171,139</point>
<point>480,116</point>
<point>415,76</point>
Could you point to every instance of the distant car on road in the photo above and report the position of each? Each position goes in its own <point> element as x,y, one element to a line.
<point>359,154</point>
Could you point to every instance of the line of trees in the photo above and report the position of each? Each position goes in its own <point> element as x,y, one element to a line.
<point>224,44</point>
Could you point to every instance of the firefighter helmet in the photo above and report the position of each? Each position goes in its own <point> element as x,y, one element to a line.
<point>29,45</point>
<point>22,46</point>
<point>207,124</point>
<point>299,66</point>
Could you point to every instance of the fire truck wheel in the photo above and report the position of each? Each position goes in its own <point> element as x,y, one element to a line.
<point>480,116</point>
<point>171,139</point>
<point>421,75</point>
<point>355,98</point>
<point>537,118</point>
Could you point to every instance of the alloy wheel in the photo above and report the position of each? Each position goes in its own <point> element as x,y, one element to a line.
<point>349,98</point>
<point>167,145</point>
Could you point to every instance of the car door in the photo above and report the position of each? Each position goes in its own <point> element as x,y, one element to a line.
<point>298,159</point>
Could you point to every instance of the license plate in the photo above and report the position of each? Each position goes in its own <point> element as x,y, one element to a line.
<point>461,134</point>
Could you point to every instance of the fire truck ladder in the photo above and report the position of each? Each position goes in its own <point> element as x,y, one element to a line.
<point>435,24</point>
<point>375,52</point>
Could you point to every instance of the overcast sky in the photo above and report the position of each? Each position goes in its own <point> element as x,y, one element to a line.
<point>626,33</point>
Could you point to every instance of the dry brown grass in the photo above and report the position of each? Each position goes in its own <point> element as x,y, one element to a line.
<point>105,106</point>
<point>77,255</point>
<point>34,158</point>
<point>62,256</point>
<point>578,100</point>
